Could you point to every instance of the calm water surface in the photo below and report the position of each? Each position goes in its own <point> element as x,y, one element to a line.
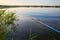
<point>49,16</point>
<point>27,16</point>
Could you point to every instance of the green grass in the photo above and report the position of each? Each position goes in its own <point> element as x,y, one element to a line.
<point>6,21</point>
<point>32,36</point>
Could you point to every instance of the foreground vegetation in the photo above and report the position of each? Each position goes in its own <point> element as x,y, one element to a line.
<point>6,22</point>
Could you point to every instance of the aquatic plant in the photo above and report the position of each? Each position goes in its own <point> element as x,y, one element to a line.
<point>32,36</point>
<point>6,21</point>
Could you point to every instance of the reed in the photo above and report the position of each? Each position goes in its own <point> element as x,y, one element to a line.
<point>6,21</point>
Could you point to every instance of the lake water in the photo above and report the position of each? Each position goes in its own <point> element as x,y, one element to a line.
<point>31,18</point>
<point>50,16</point>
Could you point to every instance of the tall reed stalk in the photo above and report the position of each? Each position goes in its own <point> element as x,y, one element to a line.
<point>6,21</point>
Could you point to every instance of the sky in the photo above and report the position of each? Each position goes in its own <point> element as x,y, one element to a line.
<point>29,2</point>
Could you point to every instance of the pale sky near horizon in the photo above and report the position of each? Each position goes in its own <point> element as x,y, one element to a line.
<point>29,2</point>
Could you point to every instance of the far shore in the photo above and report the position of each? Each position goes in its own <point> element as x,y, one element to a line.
<point>34,6</point>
